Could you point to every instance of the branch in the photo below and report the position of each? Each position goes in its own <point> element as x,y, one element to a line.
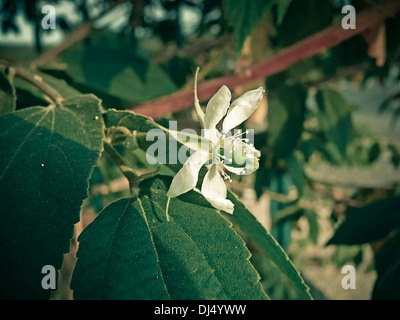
<point>301,50</point>
<point>38,82</point>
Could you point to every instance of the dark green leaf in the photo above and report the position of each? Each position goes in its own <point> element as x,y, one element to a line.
<point>193,255</point>
<point>296,172</point>
<point>281,7</point>
<point>387,265</point>
<point>312,218</point>
<point>116,70</point>
<point>285,117</point>
<point>116,257</point>
<point>335,118</point>
<point>47,158</point>
<point>304,18</point>
<point>246,221</point>
<point>374,152</point>
<point>128,119</point>
<point>372,222</point>
<point>395,155</point>
<point>345,254</point>
<point>289,213</point>
<point>243,16</point>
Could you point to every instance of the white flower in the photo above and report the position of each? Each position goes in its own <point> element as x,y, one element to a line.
<point>226,152</point>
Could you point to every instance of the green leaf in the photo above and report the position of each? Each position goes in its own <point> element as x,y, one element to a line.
<point>395,159</point>
<point>345,254</point>
<point>282,7</point>
<point>116,257</point>
<point>246,221</point>
<point>374,152</point>
<point>296,171</point>
<point>335,118</point>
<point>272,279</point>
<point>372,222</point>
<point>130,120</point>
<point>285,117</point>
<point>110,65</point>
<point>136,250</point>
<point>289,213</point>
<point>387,265</point>
<point>312,218</point>
<point>139,123</point>
<point>47,158</point>
<point>304,18</point>
<point>243,16</point>
<point>7,92</point>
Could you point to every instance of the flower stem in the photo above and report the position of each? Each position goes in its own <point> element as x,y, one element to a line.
<point>197,106</point>
<point>122,166</point>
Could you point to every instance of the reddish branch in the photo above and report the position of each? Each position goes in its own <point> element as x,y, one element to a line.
<point>301,50</point>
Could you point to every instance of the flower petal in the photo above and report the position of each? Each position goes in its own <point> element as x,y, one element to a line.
<point>237,171</point>
<point>186,178</point>
<point>217,107</point>
<point>222,204</point>
<point>212,134</point>
<point>242,108</point>
<point>213,184</point>
<point>191,140</point>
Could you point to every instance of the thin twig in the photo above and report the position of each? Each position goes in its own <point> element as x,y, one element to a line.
<point>191,50</point>
<point>199,111</point>
<point>38,82</point>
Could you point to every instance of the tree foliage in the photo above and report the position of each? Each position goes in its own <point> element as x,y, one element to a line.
<point>67,133</point>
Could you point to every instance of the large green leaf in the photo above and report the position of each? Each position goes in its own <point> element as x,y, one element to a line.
<point>387,265</point>
<point>47,158</point>
<point>335,118</point>
<point>110,65</point>
<point>243,16</point>
<point>372,222</point>
<point>246,221</point>
<point>7,92</point>
<point>282,7</point>
<point>304,18</point>
<point>296,171</point>
<point>285,117</point>
<point>135,249</point>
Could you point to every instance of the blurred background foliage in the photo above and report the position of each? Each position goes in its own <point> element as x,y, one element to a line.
<point>328,183</point>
